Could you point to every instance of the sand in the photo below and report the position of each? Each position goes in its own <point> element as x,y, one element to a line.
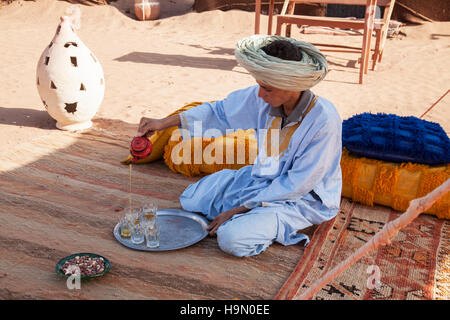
<point>153,67</point>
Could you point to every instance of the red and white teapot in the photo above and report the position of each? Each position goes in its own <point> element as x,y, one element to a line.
<point>140,148</point>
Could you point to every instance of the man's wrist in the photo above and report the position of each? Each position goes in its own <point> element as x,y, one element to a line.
<point>240,209</point>
<point>171,121</point>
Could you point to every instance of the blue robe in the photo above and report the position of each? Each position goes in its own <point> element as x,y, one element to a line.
<point>287,190</point>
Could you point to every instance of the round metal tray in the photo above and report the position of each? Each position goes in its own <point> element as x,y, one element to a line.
<point>178,229</point>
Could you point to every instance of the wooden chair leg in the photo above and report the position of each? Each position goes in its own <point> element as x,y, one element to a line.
<point>278,29</point>
<point>257,15</point>
<point>290,7</point>
<point>377,49</point>
<point>382,42</point>
<point>362,66</point>
<point>271,4</point>
<point>368,50</point>
<point>288,30</point>
<point>380,56</point>
<point>367,36</point>
<point>290,10</point>
<point>371,21</point>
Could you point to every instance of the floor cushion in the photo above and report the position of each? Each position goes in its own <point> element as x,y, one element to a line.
<point>394,138</point>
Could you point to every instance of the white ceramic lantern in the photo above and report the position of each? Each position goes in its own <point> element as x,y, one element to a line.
<point>70,78</point>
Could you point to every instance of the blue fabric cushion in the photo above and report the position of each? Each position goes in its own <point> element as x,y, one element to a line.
<point>393,138</point>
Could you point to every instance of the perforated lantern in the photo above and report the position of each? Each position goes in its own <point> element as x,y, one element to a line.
<point>147,9</point>
<point>70,79</point>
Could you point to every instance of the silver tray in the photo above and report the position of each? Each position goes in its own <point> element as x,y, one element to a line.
<point>178,229</point>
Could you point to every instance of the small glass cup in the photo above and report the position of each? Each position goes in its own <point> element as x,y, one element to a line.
<point>124,228</point>
<point>133,216</point>
<point>149,213</point>
<point>151,235</point>
<point>137,233</point>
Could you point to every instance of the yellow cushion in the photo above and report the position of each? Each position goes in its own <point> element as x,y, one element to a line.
<point>209,155</point>
<point>371,181</point>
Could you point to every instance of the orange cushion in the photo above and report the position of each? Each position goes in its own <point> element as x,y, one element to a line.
<point>371,181</point>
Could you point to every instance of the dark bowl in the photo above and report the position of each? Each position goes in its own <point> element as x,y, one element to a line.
<point>61,262</point>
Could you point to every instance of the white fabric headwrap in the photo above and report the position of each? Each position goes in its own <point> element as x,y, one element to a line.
<point>283,74</point>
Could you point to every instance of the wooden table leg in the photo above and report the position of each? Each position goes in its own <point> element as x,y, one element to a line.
<point>257,15</point>
<point>271,5</point>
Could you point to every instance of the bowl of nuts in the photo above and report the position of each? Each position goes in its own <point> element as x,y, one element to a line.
<point>85,265</point>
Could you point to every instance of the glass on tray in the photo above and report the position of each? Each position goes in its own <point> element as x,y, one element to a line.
<point>149,213</point>
<point>151,232</point>
<point>130,218</point>
<point>137,233</point>
<point>134,215</point>
<point>124,228</point>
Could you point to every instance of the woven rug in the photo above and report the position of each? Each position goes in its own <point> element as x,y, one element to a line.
<point>415,265</point>
<point>62,193</point>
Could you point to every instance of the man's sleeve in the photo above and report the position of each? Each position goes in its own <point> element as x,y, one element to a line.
<point>321,156</point>
<point>238,111</point>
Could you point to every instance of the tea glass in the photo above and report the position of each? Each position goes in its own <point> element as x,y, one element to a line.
<point>133,216</point>
<point>124,227</point>
<point>151,232</point>
<point>137,233</point>
<point>149,213</point>
<point>126,221</point>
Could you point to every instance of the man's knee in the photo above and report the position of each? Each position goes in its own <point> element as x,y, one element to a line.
<point>230,243</point>
<point>239,245</point>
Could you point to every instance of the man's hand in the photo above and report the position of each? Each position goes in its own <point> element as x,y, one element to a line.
<point>218,221</point>
<point>224,216</point>
<point>148,126</point>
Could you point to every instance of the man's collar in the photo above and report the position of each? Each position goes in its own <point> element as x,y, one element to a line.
<point>297,114</point>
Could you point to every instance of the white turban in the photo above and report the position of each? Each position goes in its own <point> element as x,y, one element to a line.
<point>283,74</point>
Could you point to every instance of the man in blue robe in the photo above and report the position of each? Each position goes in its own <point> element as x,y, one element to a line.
<point>290,187</point>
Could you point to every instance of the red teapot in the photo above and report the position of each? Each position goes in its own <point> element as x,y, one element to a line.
<point>140,148</point>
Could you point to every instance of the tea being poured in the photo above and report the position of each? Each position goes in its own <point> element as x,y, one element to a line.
<point>140,148</point>
<point>127,219</point>
<point>145,216</point>
<point>129,190</point>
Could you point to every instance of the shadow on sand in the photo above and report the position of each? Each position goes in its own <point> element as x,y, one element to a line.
<point>213,50</point>
<point>437,36</point>
<point>179,60</point>
<point>27,118</point>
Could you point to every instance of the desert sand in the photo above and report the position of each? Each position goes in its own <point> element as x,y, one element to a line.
<point>151,69</point>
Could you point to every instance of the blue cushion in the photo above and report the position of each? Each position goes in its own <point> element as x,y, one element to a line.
<point>393,138</point>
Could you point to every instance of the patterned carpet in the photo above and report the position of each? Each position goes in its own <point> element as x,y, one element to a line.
<point>415,266</point>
